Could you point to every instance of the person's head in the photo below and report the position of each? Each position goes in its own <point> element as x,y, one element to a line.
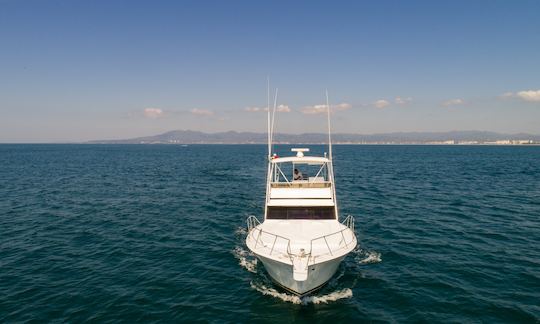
<point>295,170</point>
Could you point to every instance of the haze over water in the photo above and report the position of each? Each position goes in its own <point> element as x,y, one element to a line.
<point>129,233</point>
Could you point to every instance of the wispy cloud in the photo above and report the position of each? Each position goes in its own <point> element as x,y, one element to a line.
<point>315,109</point>
<point>529,95</point>
<point>402,101</point>
<point>381,103</point>
<point>321,109</point>
<point>280,108</point>
<point>153,112</point>
<point>283,108</point>
<point>201,112</point>
<point>452,102</point>
<point>255,109</point>
<point>340,107</point>
<point>526,95</point>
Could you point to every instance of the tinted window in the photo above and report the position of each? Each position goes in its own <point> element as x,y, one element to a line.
<point>300,213</point>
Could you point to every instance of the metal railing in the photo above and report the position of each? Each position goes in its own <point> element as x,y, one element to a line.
<point>349,222</point>
<point>256,233</point>
<point>301,184</point>
<point>252,222</point>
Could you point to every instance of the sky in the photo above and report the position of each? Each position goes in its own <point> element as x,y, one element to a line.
<point>75,70</point>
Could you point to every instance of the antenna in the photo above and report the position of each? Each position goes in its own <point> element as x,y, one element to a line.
<point>268,110</point>
<point>329,129</point>
<point>331,164</point>
<point>273,118</point>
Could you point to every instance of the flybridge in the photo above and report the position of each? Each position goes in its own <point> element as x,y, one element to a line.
<point>300,171</point>
<point>300,181</point>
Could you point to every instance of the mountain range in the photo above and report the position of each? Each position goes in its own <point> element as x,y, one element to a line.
<point>233,137</point>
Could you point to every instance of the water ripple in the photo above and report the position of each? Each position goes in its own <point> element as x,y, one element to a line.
<point>124,233</point>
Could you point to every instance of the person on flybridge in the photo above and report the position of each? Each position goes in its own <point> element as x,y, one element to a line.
<point>298,175</point>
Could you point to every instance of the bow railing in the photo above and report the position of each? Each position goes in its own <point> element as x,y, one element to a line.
<point>263,238</point>
<point>337,239</point>
<point>274,243</point>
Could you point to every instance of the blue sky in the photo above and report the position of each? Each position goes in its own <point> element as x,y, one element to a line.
<point>81,70</point>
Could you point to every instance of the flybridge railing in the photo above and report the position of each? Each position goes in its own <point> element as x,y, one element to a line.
<point>301,184</point>
<point>278,176</point>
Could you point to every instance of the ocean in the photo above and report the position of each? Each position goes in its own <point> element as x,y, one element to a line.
<point>155,233</point>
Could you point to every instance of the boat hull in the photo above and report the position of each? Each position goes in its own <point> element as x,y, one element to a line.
<point>318,274</point>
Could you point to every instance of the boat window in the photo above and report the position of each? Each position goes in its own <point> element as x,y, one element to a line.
<point>309,172</point>
<point>300,213</point>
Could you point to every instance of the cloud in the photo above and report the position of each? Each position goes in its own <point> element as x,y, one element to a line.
<point>321,109</point>
<point>402,101</point>
<point>255,109</point>
<point>527,95</point>
<point>280,108</point>
<point>453,102</point>
<point>341,106</point>
<point>312,110</point>
<point>381,103</point>
<point>201,112</point>
<point>153,112</point>
<point>283,108</point>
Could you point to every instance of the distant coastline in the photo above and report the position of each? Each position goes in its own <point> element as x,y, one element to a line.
<point>183,137</point>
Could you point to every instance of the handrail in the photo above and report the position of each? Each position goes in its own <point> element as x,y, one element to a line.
<point>253,223</point>
<point>298,184</point>
<point>349,222</point>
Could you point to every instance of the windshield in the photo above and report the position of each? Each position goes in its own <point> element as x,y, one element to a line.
<point>290,172</point>
<point>301,213</point>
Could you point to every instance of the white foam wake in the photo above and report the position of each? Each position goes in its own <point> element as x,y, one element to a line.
<point>366,256</point>
<point>371,257</point>
<point>274,293</point>
<point>333,296</point>
<point>250,264</point>
<point>241,231</point>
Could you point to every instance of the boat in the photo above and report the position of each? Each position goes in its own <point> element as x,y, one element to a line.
<point>301,241</point>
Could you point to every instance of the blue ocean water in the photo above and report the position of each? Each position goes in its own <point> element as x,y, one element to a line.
<point>124,233</point>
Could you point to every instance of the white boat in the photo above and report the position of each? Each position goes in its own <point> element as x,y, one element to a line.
<point>301,241</point>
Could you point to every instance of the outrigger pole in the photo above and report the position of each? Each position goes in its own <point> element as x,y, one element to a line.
<point>270,125</point>
<point>273,119</point>
<point>331,163</point>
<point>329,129</point>
<point>268,110</point>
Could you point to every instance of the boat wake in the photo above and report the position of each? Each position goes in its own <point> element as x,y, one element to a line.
<point>367,257</point>
<point>245,259</point>
<point>316,299</point>
<point>241,231</point>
